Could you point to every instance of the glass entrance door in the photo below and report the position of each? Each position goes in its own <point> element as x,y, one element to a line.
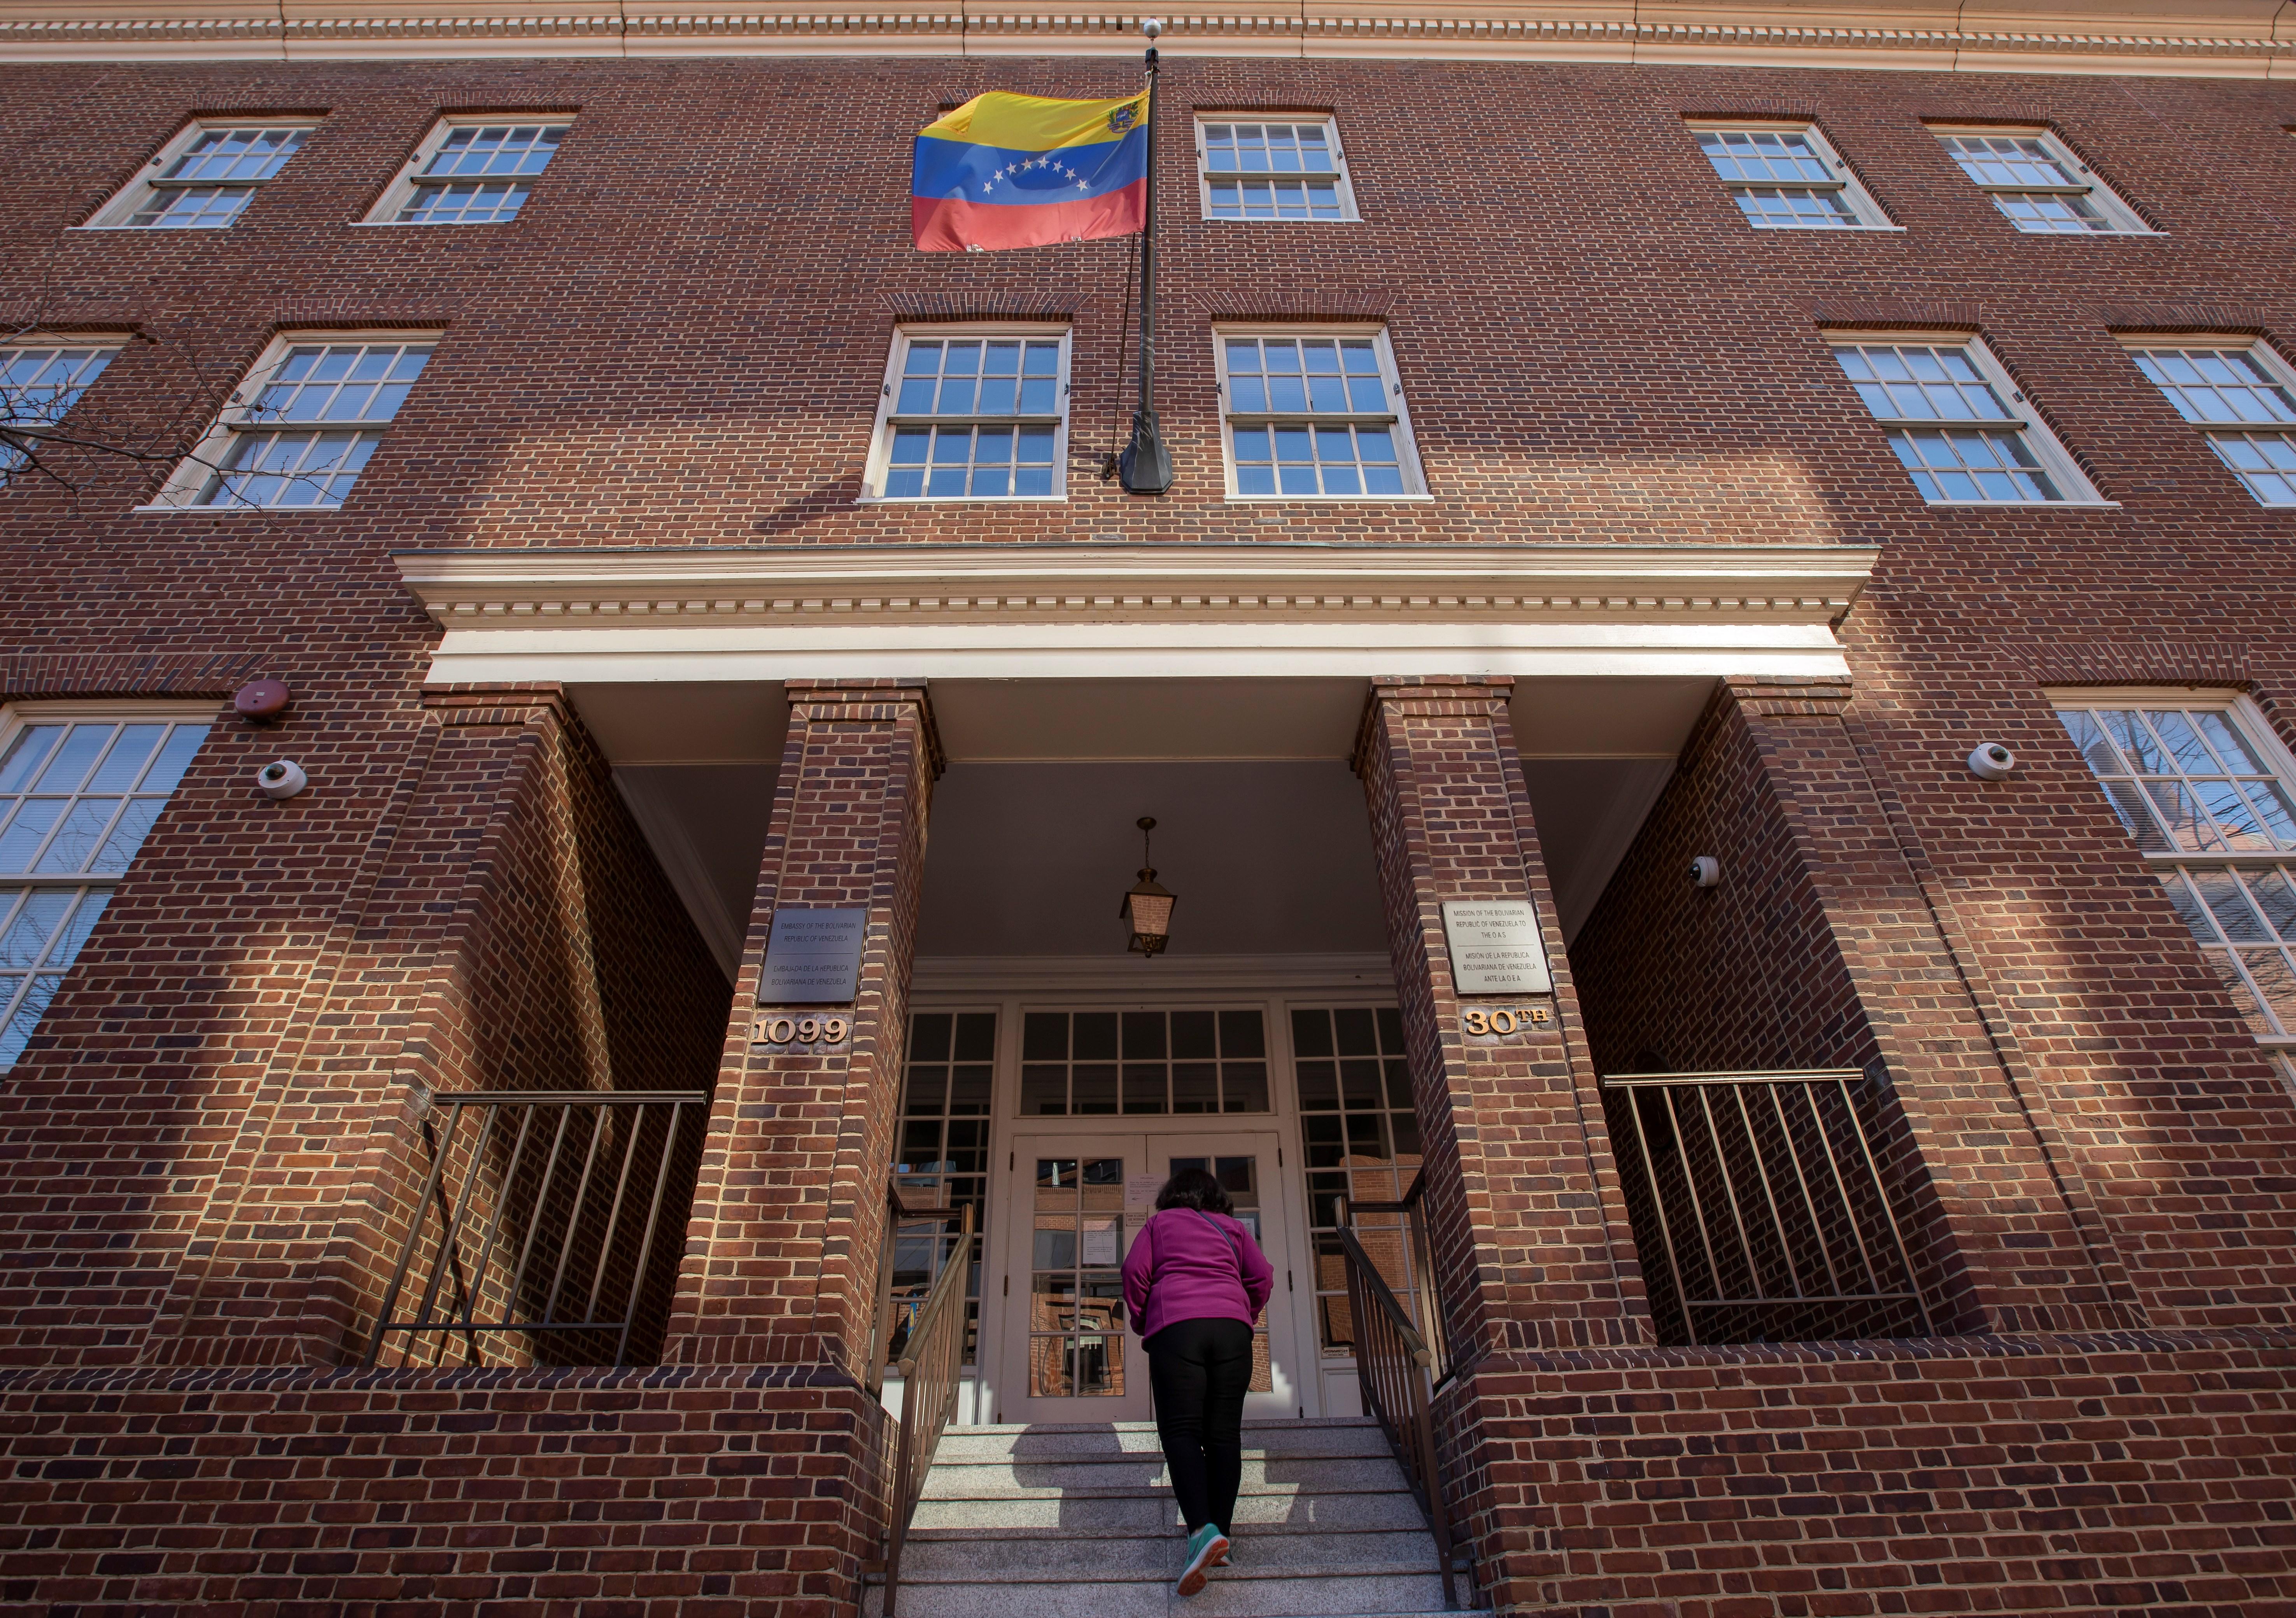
<point>1077,1202</point>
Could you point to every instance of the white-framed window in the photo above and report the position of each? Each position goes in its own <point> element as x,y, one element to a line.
<point>972,413</point>
<point>2037,183</point>
<point>206,175</point>
<point>81,785</point>
<point>2241,396</point>
<point>1962,428</point>
<point>472,170</point>
<point>298,431</point>
<point>2205,788</point>
<point>41,378</point>
<point>1287,166</point>
<point>1787,176</point>
<point>1313,415</point>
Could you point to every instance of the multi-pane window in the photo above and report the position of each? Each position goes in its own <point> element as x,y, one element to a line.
<point>1361,1135</point>
<point>471,173</point>
<point>943,1159</point>
<point>1786,177</point>
<point>305,423</point>
<point>974,417</point>
<point>1960,428</point>
<point>77,797</point>
<point>2038,185</point>
<point>1311,415</point>
<point>1075,1285</point>
<point>1288,170</point>
<point>1081,1063</point>
<point>2208,800</point>
<point>40,380</point>
<point>205,177</point>
<point>2238,398</point>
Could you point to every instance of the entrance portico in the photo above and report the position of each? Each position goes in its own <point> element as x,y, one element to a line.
<point>960,740</point>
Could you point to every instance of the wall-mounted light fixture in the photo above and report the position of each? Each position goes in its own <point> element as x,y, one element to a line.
<point>1148,907</point>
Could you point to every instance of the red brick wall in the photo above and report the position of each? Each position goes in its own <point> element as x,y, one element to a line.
<point>681,343</point>
<point>2075,1476</point>
<point>727,1492</point>
<point>1742,975</point>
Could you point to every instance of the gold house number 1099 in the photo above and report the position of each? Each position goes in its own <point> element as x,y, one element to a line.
<point>799,1030</point>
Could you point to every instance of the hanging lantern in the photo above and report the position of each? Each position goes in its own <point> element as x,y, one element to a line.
<point>1148,907</point>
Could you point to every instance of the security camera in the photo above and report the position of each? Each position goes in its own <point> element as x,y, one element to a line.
<point>281,777</point>
<point>1705,870</point>
<point>1152,27</point>
<point>1990,761</point>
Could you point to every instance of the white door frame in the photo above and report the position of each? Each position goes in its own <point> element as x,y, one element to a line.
<point>1011,985</point>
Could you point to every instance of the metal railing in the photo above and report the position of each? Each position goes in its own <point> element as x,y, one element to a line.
<point>931,1367</point>
<point>540,1219</point>
<point>1769,1204</point>
<point>1397,1369</point>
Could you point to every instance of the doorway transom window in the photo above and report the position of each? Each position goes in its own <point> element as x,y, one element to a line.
<point>1078,1064</point>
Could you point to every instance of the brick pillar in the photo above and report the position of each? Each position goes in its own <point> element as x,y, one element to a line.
<point>780,1261</point>
<point>1532,1243</point>
<point>2022,1246</point>
<point>1530,1229</point>
<point>509,930</point>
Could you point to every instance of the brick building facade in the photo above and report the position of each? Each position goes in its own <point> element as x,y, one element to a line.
<point>610,635</point>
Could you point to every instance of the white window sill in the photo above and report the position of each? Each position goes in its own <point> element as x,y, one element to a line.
<point>165,509</point>
<point>987,500</point>
<point>1225,219</point>
<point>1236,499</point>
<point>2277,1041</point>
<point>2023,505</point>
<point>431,224</point>
<point>156,230</point>
<point>1824,229</point>
<point>2097,235</point>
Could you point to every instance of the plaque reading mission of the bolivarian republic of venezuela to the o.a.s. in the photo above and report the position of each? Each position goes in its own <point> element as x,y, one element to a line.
<point>1495,948</point>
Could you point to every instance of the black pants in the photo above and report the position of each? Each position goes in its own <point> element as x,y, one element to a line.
<point>1200,1370</point>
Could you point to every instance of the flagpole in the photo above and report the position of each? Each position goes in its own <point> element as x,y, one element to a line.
<point>1146,467</point>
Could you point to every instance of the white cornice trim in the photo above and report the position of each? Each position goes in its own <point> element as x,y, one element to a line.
<point>2234,41</point>
<point>1082,611</point>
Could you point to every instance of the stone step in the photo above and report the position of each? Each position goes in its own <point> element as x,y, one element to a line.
<point>1151,1511</point>
<point>1286,1440</point>
<point>1230,1594</point>
<point>1061,1555</point>
<point>1137,1474</point>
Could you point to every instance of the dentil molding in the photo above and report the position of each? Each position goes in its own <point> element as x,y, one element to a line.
<point>2231,38</point>
<point>1807,584</point>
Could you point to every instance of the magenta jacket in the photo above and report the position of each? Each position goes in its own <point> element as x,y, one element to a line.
<point>1182,1267</point>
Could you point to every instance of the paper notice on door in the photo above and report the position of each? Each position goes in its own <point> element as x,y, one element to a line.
<point>1140,1190</point>
<point>1102,1242</point>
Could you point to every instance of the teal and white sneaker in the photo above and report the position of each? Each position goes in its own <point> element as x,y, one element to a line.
<point>1207,1549</point>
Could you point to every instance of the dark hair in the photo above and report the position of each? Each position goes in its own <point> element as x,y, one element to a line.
<point>1193,1189</point>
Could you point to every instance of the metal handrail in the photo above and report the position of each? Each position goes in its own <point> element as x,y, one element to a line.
<point>1394,1367</point>
<point>1774,1184</point>
<point>931,1367</point>
<point>489,1292</point>
<point>1428,1294</point>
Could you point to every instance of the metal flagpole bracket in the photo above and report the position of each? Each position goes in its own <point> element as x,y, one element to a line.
<point>1146,466</point>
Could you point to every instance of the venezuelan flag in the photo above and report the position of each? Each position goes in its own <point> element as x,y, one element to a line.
<point>1008,170</point>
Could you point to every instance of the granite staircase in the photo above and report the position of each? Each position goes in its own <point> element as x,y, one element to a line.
<point>1078,1522</point>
